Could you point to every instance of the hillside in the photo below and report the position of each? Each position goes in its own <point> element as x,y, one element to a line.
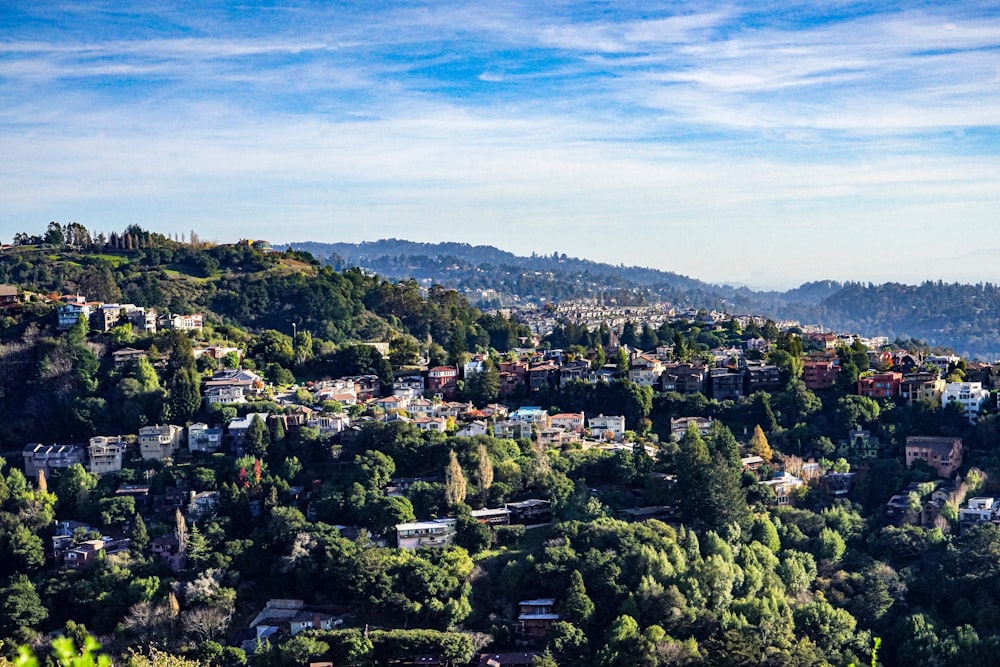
<point>962,317</point>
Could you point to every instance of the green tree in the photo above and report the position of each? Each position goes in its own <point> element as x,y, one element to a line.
<point>576,605</point>
<point>21,610</point>
<point>257,437</point>
<point>73,490</point>
<point>483,387</point>
<point>138,537</point>
<point>185,396</point>
<point>830,545</point>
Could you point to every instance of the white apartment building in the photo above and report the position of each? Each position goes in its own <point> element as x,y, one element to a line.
<point>970,395</point>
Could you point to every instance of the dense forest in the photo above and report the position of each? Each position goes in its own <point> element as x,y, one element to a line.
<point>725,575</point>
<point>963,317</point>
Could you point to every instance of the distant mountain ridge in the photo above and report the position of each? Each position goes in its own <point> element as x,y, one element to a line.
<point>963,317</point>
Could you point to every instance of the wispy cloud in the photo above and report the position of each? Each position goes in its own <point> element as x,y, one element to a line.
<point>740,130</point>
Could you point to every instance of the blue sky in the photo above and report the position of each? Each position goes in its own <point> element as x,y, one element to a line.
<point>765,143</point>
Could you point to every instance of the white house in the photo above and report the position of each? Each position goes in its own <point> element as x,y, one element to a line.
<point>105,454</point>
<point>436,533</point>
<point>607,426</point>
<point>970,395</point>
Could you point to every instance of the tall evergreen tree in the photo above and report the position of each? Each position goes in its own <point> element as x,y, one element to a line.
<point>185,396</point>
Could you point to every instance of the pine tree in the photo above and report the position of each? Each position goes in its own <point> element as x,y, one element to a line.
<point>257,437</point>
<point>577,607</point>
<point>197,548</point>
<point>185,396</point>
<point>454,482</point>
<point>138,537</point>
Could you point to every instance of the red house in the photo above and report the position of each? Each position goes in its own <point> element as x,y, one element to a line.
<point>442,380</point>
<point>881,385</point>
<point>819,374</point>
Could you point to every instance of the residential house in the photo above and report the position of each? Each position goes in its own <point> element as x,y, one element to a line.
<point>725,384</point>
<point>898,509</point>
<point>880,385</point>
<point>542,375</point>
<point>475,364</point>
<point>942,362</point>
<point>313,620</point>
<point>408,386</point>
<point>473,428</point>
<point>365,386</point>
<point>513,429</point>
<point>512,374</point>
<point>607,427</point>
<point>438,424</point>
<point>109,315</point>
<point>493,517</point>
<point>758,376</point>
<point>417,534</point>
<point>944,454</point>
<point>105,454</point>
<point>193,322</point>
<point>784,484</point>
<point>231,386</point>
<point>329,424</point>
<point>83,555</point>
<point>571,421</point>
<point>127,355</point>
<point>751,463</point>
<point>50,457</point>
<point>422,407</point>
<point>453,409</point>
<point>495,411</point>
<point>922,387</point>
<point>8,296</point>
<point>238,427</point>
<point>645,370</point>
<point>531,414</point>
<point>442,381</point>
<point>556,436</point>
<point>202,504</point>
<point>820,374</point>
<point>679,426</point>
<point>837,484</point>
<point>69,313</point>
<point>217,352</point>
<point>977,511</point>
<point>204,438</point>
<point>535,618</point>
<point>860,445</point>
<point>160,441</point>
<point>574,371</point>
<point>65,535</point>
<point>530,511</point>
<point>971,396</point>
<point>167,548</point>
<point>684,378</point>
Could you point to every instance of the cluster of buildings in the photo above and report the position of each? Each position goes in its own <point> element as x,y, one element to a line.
<point>106,316</point>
